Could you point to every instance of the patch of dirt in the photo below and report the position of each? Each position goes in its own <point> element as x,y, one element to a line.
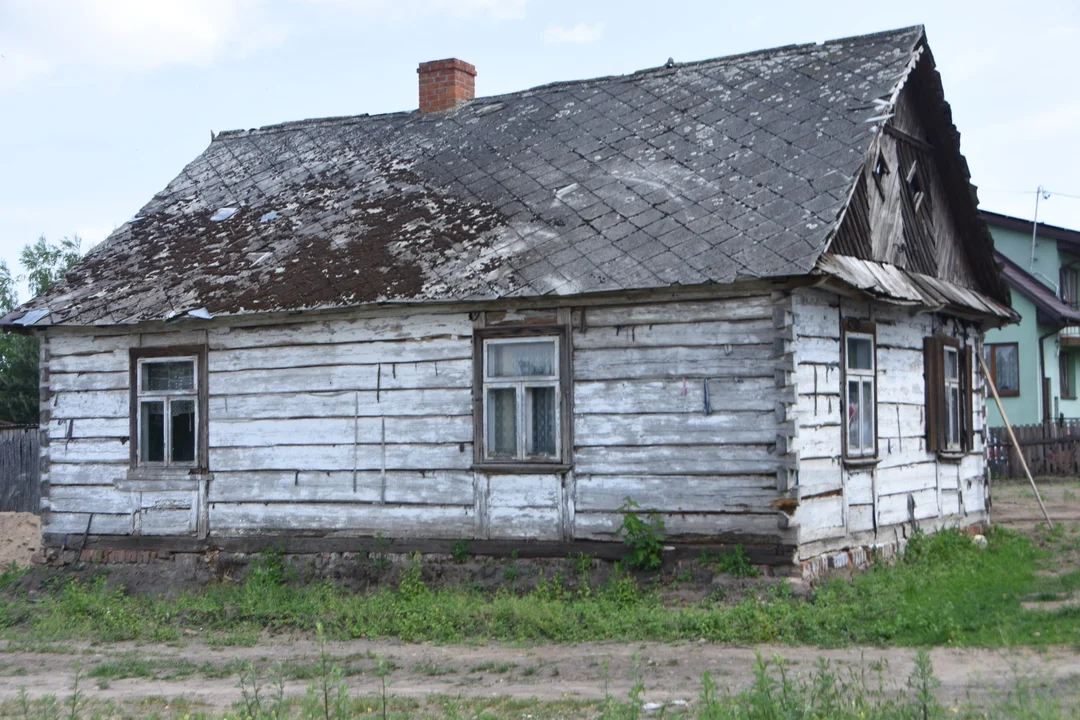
<point>550,672</point>
<point>1014,504</point>
<point>20,538</point>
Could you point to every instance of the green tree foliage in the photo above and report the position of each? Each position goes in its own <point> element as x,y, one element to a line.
<point>43,263</point>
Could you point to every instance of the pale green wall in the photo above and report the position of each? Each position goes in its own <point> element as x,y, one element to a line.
<point>1023,409</point>
<point>1027,407</point>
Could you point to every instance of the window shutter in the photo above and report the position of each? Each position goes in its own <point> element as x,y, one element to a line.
<point>934,393</point>
<point>969,407</point>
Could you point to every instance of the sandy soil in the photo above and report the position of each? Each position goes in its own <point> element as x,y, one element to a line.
<point>553,672</point>
<point>20,535</point>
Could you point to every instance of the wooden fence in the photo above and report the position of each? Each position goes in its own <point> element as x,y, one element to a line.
<point>1049,449</point>
<point>20,490</point>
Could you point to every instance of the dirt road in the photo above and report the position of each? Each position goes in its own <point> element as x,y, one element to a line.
<point>552,672</point>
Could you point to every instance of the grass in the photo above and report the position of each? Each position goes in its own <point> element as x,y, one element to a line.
<point>945,591</point>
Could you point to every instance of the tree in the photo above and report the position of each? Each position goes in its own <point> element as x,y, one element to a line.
<point>44,263</point>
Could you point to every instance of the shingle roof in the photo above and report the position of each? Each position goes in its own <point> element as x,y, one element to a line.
<point>706,172</point>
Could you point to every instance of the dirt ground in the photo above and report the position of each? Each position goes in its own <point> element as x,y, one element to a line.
<point>20,535</point>
<point>554,672</point>
<point>1014,504</point>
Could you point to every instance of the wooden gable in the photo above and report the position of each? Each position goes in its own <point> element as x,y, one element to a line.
<point>912,205</point>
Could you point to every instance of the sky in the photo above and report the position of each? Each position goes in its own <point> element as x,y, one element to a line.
<point>103,102</point>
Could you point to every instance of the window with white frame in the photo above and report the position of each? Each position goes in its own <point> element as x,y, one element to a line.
<point>167,404</point>
<point>953,403</point>
<point>860,369</point>
<point>521,399</point>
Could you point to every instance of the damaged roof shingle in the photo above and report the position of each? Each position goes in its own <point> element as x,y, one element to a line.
<point>706,172</point>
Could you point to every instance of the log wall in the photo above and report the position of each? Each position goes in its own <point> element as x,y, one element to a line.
<point>361,424</point>
<point>908,483</point>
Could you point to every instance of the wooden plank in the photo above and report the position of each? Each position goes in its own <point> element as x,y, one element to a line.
<point>438,402</point>
<point>703,527</point>
<point>676,494</point>
<point>893,509</point>
<point>109,450</point>
<point>74,525</point>
<point>353,518</point>
<point>719,428</point>
<point>682,335</point>
<point>400,487</point>
<point>751,307</point>
<point>539,523</point>
<point>343,457</point>
<point>906,479</point>
<point>115,361</point>
<point>104,499</point>
<point>820,518</point>
<point>520,491</point>
<point>673,396</point>
<point>88,428</point>
<point>91,404</point>
<point>817,477</point>
<point>676,460</point>
<point>340,431</point>
<point>395,326</point>
<point>364,353</point>
<point>82,474</point>
<point>61,382</point>
<point>167,522</point>
<point>860,518</point>
<point>384,376</point>
<point>744,361</point>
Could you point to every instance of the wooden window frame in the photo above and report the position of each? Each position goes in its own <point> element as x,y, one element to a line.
<point>851,326</point>
<point>934,349</point>
<point>179,352</point>
<point>564,410</point>
<point>991,365</point>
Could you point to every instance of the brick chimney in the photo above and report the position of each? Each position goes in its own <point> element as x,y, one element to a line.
<point>445,84</point>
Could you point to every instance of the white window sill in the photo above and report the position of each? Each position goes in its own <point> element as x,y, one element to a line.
<point>142,479</point>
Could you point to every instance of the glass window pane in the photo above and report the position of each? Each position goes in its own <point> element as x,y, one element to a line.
<point>521,359</point>
<point>152,431</point>
<point>860,353</point>
<point>952,367</point>
<point>867,415</point>
<point>853,414</point>
<point>540,404</point>
<point>175,375</point>
<point>1007,368</point>
<point>182,427</point>
<point>502,422</point>
<point>952,410</point>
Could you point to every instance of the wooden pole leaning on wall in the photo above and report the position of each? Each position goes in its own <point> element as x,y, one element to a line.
<point>1015,442</point>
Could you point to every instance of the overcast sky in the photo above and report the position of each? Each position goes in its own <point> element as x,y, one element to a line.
<point>102,102</point>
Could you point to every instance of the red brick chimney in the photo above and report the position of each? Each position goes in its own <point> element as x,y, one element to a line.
<point>445,84</point>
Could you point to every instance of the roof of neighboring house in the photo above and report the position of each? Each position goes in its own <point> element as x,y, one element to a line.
<point>1068,240</point>
<point>1050,307</point>
<point>704,172</point>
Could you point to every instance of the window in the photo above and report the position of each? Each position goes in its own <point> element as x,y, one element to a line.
<point>1069,290</point>
<point>1066,369</point>
<point>948,368</point>
<point>168,407</point>
<point>522,382</point>
<point>1003,361</point>
<point>952,399</point>
<point>860,394</point>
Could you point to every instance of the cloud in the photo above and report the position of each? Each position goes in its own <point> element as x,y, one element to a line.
<point>494,10</point>
<point>129,35</point>
<point>579,34</point>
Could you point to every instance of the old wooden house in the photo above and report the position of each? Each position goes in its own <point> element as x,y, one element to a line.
<point>744,292</point>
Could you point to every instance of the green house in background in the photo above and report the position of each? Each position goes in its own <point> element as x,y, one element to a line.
<point>1034,363</point>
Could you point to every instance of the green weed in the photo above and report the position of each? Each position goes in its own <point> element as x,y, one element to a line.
<point>643,537</point>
